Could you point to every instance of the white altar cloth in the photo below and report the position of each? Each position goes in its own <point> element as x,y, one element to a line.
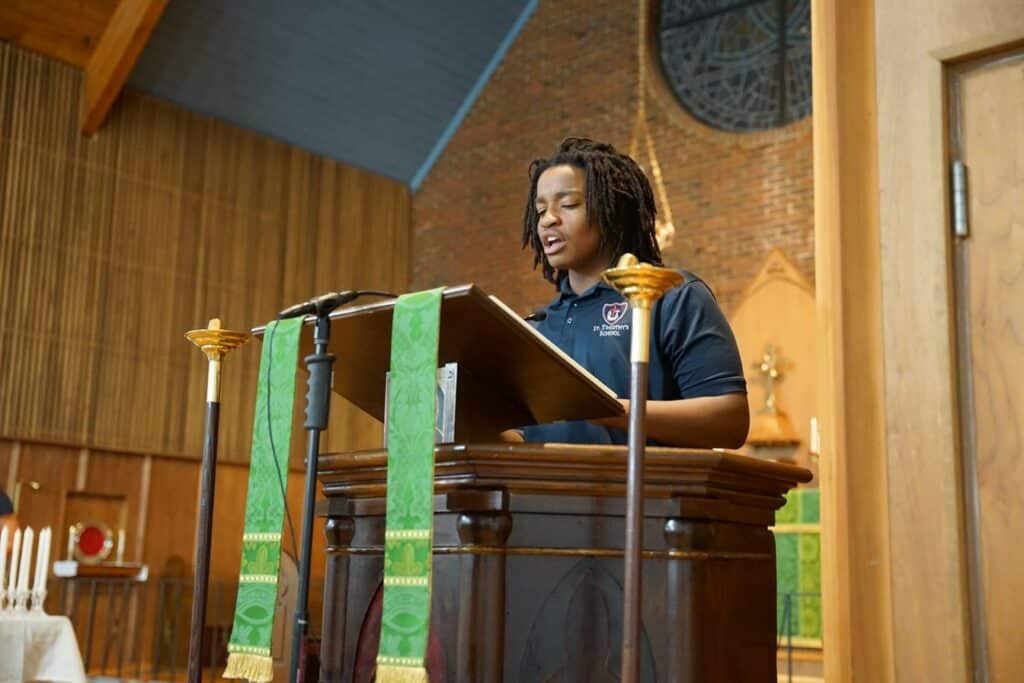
<point>38,647</point>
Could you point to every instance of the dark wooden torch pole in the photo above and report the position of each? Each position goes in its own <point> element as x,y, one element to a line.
<point>215,343</point>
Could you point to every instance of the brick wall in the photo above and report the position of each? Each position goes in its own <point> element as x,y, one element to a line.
<point>573,71</point>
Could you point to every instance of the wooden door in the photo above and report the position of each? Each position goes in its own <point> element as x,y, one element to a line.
<point>988,137</point>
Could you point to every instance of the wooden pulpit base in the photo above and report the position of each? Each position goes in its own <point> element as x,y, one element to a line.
<point>527,581</point>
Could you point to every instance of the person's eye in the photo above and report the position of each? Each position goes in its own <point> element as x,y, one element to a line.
<point>540,212</point>
<point>571,205</point>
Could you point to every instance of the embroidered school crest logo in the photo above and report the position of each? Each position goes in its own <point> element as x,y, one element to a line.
<point>613,313</point>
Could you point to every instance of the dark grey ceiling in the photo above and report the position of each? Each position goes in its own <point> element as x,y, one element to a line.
<point>381,85</point>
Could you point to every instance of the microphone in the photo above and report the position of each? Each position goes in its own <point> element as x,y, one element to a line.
<point>537,316</point>
<point>320,305</point>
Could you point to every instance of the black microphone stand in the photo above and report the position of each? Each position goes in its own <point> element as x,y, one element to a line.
<point>320,365</point>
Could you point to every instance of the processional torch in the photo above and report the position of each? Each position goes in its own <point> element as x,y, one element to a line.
<point>216,344</point>
<point>642,284</point>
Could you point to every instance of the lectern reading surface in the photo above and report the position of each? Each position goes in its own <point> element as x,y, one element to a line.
<point>509,375</point>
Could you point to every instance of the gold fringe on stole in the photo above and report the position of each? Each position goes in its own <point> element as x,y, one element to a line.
<point>250,667</point>
<point>389,673</point>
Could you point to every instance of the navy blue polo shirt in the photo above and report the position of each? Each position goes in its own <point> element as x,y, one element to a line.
<point>693,350</point>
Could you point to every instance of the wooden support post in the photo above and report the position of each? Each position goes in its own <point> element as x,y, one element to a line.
<point>481,627</point>
<point>855,547</point>
<point>339,532</point>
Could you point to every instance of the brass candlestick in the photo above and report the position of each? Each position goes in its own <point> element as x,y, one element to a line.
<point>642,284</point>
<point>216,343</point>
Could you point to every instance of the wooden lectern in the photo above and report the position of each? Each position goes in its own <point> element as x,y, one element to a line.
<point>529,538</point>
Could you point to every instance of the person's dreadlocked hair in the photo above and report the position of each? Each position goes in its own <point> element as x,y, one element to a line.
<point>619,201</point>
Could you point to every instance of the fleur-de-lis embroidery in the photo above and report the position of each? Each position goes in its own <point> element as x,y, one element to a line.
<point>261,564</point>
<point>406,564</point>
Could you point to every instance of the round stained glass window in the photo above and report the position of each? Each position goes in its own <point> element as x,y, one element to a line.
<point>738,65</point>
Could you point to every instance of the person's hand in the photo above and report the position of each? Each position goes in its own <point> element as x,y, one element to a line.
<point>617,422</point>
<point>512,436</point>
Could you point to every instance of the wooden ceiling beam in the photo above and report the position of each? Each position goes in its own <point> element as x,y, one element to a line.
<point>120,46</point>
<point>66,30</point>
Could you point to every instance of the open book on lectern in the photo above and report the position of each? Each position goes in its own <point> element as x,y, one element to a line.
<point>495,371</point>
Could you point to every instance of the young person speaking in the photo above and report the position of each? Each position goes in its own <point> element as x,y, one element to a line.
<point>588,205</point>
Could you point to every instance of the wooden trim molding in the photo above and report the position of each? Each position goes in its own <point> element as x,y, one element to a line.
<point>82,472</point>
<point>378,550</point>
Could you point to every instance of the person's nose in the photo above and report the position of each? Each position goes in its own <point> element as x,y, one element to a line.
<point>548,219</point>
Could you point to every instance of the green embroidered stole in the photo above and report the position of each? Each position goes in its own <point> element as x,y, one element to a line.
<point>408,539</point>
<point>249,648</point>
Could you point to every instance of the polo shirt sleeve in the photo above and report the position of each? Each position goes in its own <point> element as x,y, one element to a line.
<point>697,344</point>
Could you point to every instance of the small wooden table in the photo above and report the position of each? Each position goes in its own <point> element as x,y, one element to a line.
<point>528,545</point>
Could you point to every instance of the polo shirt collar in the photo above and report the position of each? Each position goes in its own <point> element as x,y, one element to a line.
<point>565,290</point>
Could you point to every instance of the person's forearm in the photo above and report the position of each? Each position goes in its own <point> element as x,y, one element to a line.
<point>705,422</point>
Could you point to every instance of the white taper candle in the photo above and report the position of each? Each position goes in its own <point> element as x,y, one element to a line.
<point>15,553</point>
<point>49,554</point>
<point>26,559</point>
<point>46,557</point>
<point>5,534</point>
<point>39,556</point>
<point>815,445</point>
<point>42,559</point>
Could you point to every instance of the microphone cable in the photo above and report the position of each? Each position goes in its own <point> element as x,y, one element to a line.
<point>273,447</point>
<point>270,428</point>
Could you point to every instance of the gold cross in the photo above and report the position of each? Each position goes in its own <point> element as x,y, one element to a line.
<point>770,374</point>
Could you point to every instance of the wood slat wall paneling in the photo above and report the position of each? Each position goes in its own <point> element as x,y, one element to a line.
<point>112,247</point>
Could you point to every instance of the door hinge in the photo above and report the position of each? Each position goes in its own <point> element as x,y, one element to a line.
<point>960,227</point>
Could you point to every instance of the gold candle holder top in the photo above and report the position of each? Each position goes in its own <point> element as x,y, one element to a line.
<point>216,343</point>
<point>642,284</point>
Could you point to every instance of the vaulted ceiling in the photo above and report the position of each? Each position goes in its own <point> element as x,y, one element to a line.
<point>378,84</point>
